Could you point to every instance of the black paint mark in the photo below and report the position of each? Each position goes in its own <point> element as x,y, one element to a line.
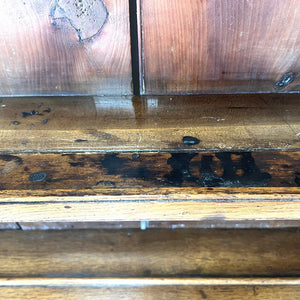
<point>285,80</point>
<point>27,114</point>
<point>203,295</point>
<point>116,165</point>
<point>87,17</point>
<point>105,184</point>
<point>135,156</point>
<point>80,141</point>
<point>40,104</point>
<point>180,162</point>
<point>241,173</point>
<point>297,180</point>
<point>45,121</point>
<point>190,141</point>
<point>26,169</point>
<point>15,123</point>
<point>68,207</point>
<point>17,159</point>
<point>77,164</point>
<point>48,110</point>
<point>38,177</point>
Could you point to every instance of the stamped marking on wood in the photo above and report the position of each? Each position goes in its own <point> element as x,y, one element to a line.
<point>87,17</point>
<point>285,80</point>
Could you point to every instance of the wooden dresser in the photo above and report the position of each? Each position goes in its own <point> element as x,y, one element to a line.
<point>150,149</point>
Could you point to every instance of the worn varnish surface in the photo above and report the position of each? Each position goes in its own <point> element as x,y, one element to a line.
<point>149,170</point>
<point>219,122</point>
<point>54,47</point>
<point>150,253</point>
<point>223,46</point>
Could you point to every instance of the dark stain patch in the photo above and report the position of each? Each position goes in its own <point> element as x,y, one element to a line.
<point>68,207</point>
<point>80,141</point>
<point>38,177</point>
<point>77,164</point>
<point>48,110</point>
<point>31,113</point>
<point>241,173</point>
<point>180,162</point>
<point>45,122</point>
<point>135,156</point>
<point>85,16</point>
<point>297,180</point>
<point>8,158</point>
<point>285,80</point>
<point>104,184</point>
<point>15,123</point>
<point>203,295</point>
<point>40,104</point>
<point>26,169</point>
<point>190,141</point>
<point>125,167</point>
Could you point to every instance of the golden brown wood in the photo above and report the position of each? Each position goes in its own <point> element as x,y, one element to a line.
<point>41,53</point>
<point>223,46</point>
<point>231,122</point>
<point>162,288</point>
<point>150,253</point>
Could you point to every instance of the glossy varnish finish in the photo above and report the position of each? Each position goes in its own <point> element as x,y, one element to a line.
<point>125,124</point>
<point>53,47</point>
<point>223,46</point>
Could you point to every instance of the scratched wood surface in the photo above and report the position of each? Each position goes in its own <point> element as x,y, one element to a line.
<point>54,47</point>
<point>219,122</point>
<point>158,288</point>
<point>151,253</point>
<point>219,46</point>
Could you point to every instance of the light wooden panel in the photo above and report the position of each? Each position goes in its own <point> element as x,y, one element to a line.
<point>54,47</point>
<point>159,288</point>
<point>220,46</point>
<point>151,253</point>
<point>232,122</point>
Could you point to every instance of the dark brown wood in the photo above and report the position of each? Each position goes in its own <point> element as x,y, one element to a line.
<point>115,171</point>
<point>151,253</point>
<point>54,47</point>
<point>229,123</point>
<point>219,46</point>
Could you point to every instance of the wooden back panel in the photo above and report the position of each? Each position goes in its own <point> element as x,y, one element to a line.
<point>220,46</point>
<point>57,48</point>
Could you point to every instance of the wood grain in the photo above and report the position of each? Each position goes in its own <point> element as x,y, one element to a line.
<point>160,171</point>
<point>160,207</point>
<point>151,253</point>
<point>120,124</point>
<point>219,46</point>
<point>152,289</point>
<point>43,56</point>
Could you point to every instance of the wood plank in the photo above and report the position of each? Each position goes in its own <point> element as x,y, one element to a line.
<point>144,208</point>
<point>151,253</point>
<point>101,124</point>
<point>161,288</point>
<point>144,225</point>
<point>31,172</point>
<point>55,48</point>
<point>220,46</point>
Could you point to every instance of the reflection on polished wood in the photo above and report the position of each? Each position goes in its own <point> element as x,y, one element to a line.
<point>118,124</point>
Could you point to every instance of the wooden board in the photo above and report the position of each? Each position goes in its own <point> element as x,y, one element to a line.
<point>151,253</point>
<point>219,46</point>
<point>161,288</point>
<point>116,124</point>
<point>56,48</point>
